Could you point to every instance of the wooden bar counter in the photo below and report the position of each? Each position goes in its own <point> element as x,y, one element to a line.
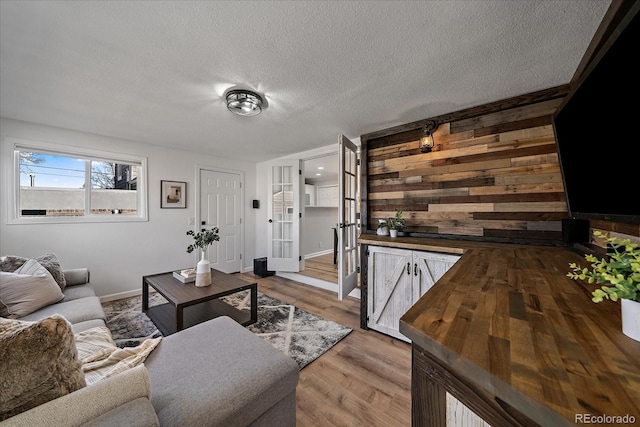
<point>505,332</point>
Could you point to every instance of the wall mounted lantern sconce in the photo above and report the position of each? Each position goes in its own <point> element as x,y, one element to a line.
<point>244,102</point>
<point>426,141</point>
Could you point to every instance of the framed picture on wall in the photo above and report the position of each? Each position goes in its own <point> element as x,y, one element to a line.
<point>173,194</point>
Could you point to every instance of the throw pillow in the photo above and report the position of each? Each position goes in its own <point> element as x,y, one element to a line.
<point>39,363</point>
<point>11,263</point>
<point>28,289</point>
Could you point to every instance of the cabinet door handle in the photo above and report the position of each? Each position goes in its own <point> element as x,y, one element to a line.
<point>409,268</point>
<point>415,269</point>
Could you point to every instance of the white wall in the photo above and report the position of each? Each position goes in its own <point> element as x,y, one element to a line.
<point>119,254</point>
<point>318,229</point>
<point>318,232</point>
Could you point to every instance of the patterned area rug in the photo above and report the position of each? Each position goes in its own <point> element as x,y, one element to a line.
<point>301,335</point>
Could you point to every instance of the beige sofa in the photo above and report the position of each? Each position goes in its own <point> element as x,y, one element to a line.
<point>80,306</point>
<point>216,373</point>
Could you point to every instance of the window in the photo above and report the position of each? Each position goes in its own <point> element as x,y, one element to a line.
<point>65,184</point>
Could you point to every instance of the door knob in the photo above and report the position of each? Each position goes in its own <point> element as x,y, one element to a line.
<point>270,221</point>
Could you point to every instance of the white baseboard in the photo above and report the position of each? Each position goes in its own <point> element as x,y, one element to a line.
<point>121,295</point>
<point>315,254</point>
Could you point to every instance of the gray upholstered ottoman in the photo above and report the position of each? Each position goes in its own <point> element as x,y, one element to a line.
<point>218,373</point>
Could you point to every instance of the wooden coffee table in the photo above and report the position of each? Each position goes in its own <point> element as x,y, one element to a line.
<point>189,305</point>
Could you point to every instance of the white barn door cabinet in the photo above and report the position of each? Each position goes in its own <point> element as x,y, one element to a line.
<point>396,279</point>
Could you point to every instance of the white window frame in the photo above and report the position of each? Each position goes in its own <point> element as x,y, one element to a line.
<point>12,173</point>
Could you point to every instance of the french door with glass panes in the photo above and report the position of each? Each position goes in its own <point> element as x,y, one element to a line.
<point>283,232</point>
<point>348,225</point>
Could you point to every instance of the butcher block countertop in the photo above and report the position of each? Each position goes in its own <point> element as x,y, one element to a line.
<point>507,322</point>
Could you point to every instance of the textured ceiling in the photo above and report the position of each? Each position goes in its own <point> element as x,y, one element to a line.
<point>155,71</point>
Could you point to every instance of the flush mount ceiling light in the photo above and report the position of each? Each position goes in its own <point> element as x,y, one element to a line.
<point>426,142</point>
<point>244,102</point>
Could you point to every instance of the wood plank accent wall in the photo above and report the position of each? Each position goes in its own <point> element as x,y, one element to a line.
<point>492,175</point>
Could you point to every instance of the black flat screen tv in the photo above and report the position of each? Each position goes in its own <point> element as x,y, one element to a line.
<point>597,131</point>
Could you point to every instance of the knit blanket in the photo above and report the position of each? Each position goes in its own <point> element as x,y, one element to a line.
<point>102,358</point>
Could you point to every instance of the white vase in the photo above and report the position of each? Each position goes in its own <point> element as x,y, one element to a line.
<point>393,233</point>
<point>382,231</point>
<point>630,318</point>
<point>203,271</point>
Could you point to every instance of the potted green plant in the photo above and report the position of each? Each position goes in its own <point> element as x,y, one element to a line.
<point>202,240</point>
<point>383,228</point>
<point>619,277</point>
<point>396,224</point>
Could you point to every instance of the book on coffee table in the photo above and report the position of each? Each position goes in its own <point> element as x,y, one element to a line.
<point>185,276</point>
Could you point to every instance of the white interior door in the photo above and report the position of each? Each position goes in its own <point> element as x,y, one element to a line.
<point>220,195</point>
<point>347,212</point>
<point>283,232</point>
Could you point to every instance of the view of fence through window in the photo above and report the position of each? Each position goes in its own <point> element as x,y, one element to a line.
<point>63,185</point>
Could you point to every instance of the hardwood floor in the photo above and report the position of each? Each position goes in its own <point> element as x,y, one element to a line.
<point>321,267</point>
<point>364,380</point>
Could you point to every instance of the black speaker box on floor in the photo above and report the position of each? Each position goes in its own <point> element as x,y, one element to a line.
<point>575,230</point>
<point>260,267</point>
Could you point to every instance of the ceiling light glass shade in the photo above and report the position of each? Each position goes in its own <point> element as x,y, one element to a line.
<point>244,102</point>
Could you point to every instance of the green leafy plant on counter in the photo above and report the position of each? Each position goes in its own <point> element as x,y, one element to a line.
<point>619,275</point>
<point>397,222</point>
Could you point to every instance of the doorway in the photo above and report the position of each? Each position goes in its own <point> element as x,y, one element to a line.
<point>321,217</point>
<point>319,238</point>
<point>320,209</point>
